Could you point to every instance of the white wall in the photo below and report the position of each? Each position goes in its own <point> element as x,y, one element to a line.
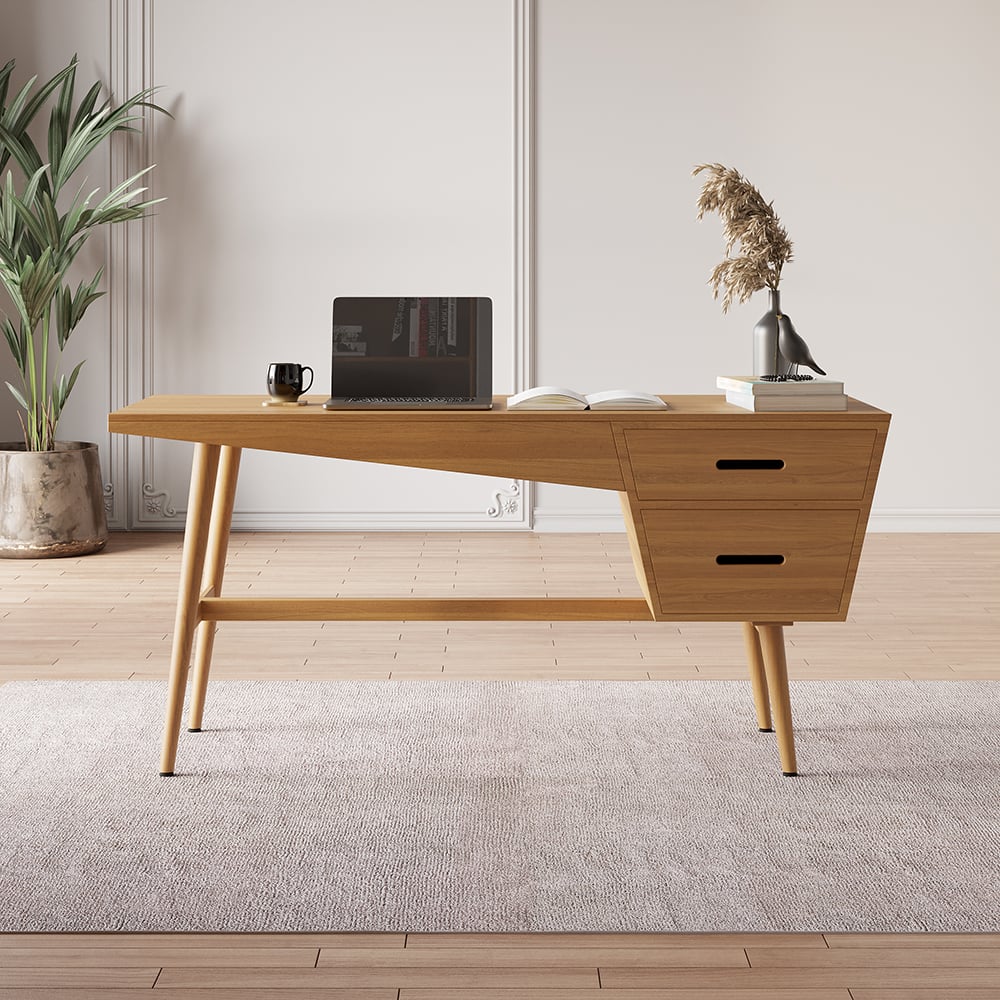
<point>321,150</point>
<point>299,167</point>
<point>871,126</point>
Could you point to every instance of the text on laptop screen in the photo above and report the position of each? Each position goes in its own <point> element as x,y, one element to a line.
<point>410,346</point>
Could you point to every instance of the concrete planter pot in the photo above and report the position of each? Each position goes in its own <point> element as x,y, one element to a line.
<point>51,502</point>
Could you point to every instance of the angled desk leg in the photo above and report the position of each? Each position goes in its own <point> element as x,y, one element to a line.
<point>772,638</point>
<point>203,471</point>
<point>211,584</point>
<point>758,677</point>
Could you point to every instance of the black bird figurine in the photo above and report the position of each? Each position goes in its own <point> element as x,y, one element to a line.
<point>793,348</point>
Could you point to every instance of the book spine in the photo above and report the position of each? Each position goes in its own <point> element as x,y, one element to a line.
<point>744,399</point>
<point>424,328</point>
<point>452,332</point>
<point>433,326</point>
<point>399,319</point>
<point>789,404</point>
<point>414,328</point>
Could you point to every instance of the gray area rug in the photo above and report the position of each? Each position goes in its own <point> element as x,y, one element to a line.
<point>500,806</point>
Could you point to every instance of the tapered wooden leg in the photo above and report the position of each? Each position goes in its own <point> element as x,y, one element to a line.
<point>758,679</point>
<point>203,471</point>
<point>772,639</point>
<point>211,584</point>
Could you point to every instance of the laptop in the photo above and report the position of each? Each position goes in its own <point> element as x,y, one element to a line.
<point>412,353</point>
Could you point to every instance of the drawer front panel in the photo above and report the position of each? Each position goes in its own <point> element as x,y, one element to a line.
<point>752,464</point>
<point>744,564</point>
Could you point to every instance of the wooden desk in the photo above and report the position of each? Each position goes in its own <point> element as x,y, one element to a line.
<point>756,518</point>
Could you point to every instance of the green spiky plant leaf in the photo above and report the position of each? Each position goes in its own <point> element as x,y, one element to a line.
<point>43,226</point>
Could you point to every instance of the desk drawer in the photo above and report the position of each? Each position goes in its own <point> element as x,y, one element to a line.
<point>752,464</point>
<point>744,564</point>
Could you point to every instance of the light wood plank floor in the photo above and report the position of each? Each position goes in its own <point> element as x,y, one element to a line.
<point>925,606</point>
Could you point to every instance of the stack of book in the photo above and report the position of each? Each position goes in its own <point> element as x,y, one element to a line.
<point>754,393</point>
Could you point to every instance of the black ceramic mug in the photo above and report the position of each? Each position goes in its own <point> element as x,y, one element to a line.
<point>284,380</point>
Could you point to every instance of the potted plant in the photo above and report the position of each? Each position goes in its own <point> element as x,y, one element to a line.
<point>51,493</point>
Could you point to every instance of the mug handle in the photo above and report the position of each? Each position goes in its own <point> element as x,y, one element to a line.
<point>306,368</point>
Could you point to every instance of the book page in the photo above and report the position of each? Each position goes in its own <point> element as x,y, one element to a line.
<point>624,399</point>
<point>547,397</point>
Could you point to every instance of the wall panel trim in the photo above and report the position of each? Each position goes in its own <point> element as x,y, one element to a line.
<point>138,500</point>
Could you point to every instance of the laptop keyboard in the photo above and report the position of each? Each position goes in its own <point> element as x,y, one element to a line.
<point>410,399</point>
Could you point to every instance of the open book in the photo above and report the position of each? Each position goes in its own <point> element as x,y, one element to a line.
<point>552,397</point>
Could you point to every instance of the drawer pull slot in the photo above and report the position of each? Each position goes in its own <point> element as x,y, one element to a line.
<point>739,559</point>
<point>750,463</point>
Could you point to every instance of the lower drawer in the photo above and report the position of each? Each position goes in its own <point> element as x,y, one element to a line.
<point>746,564</point>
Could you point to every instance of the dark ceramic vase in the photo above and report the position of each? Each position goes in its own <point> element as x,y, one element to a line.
<point>767,359</point>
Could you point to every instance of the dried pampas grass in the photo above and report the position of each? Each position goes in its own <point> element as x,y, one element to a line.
<point>750,222</point>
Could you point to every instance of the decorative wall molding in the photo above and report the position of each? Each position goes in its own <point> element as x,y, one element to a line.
<point>524,222</point>
<point>118,271</point>
<point>157,502</point>
<point>138,503</point>
<point>130,261</point>
<point>507,503</point>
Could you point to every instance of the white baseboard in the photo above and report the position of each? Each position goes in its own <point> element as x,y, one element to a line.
<point>934,520</point>
<point>596,520</point>
<point>585,521</point>
<point>881,520</point>
<point>368,521</point>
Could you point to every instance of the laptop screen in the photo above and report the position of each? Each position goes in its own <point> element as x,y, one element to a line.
<point>433,347</point>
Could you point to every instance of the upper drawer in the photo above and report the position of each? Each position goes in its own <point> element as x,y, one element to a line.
<point>752,464</point>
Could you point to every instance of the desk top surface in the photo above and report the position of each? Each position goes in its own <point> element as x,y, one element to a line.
<point>137,417</point>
